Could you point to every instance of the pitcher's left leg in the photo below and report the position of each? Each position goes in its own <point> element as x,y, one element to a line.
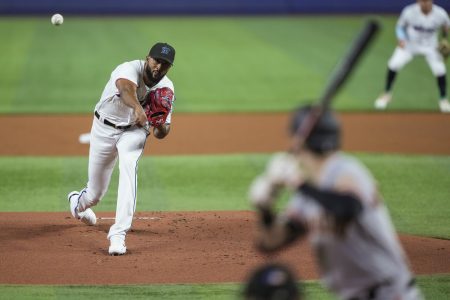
<point>130,148</point>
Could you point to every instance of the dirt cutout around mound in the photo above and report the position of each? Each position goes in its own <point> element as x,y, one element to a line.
<point>163,247</point>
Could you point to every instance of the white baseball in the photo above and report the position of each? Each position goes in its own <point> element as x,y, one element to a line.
<point>84,138</point>
<point>57,19</point>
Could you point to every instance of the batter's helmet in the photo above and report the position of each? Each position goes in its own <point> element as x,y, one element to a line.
<point>272,282</point>
<point>325,135</point>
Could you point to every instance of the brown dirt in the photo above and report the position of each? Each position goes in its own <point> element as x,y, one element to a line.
<point>414,133</point>
<point>175,247</point>
<point>188,247</point>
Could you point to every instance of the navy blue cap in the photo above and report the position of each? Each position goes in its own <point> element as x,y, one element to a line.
<point>163,51</point>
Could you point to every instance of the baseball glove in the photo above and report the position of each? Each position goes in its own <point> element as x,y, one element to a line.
<point>444,48</point>
<point>158,105</point>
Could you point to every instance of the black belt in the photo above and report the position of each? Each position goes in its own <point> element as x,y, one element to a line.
<point>106,122</point>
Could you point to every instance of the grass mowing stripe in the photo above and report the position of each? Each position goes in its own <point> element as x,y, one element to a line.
<point>223,64</point>
<point>15,52</point>
<point>415,187</point>
<point>436,287</point>
<point>312,290</point>
<point>182,291</point>
<point>165,183</point>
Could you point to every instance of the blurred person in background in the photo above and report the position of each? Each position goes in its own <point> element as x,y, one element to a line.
<point>417,34</point>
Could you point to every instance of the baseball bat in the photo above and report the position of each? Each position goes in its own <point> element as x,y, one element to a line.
<point>337,79</point>
<point>335,82</point>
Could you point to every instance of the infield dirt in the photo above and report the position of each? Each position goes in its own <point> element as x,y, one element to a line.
<point>412,133</point>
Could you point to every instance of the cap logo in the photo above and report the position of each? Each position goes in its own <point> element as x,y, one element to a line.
<point>165,50</point>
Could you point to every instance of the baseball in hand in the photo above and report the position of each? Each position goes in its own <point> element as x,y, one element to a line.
<point>57,19</point>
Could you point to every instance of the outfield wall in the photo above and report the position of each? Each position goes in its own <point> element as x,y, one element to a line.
<point>207,7</point>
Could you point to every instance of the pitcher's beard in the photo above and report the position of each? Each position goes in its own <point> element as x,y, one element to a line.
<point>150,77</point>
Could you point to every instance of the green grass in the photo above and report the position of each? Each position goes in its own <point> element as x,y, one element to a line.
<point>220,291</point>
<point>206,292</point>
<point>435,287</point>
<point>222,64</point>
<point>415,187</point>
<point>217,182</point>
<point>165,183</point>
<point>416,190</point>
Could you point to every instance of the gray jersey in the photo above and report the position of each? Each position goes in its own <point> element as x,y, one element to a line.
<point>368,253</point>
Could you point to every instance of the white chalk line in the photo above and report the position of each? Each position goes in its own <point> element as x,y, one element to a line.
<point>134,218</point>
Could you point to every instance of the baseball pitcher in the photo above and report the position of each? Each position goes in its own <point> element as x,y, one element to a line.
<point>336,204</point>
<point>417,34</point>
<point>137,97</point>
